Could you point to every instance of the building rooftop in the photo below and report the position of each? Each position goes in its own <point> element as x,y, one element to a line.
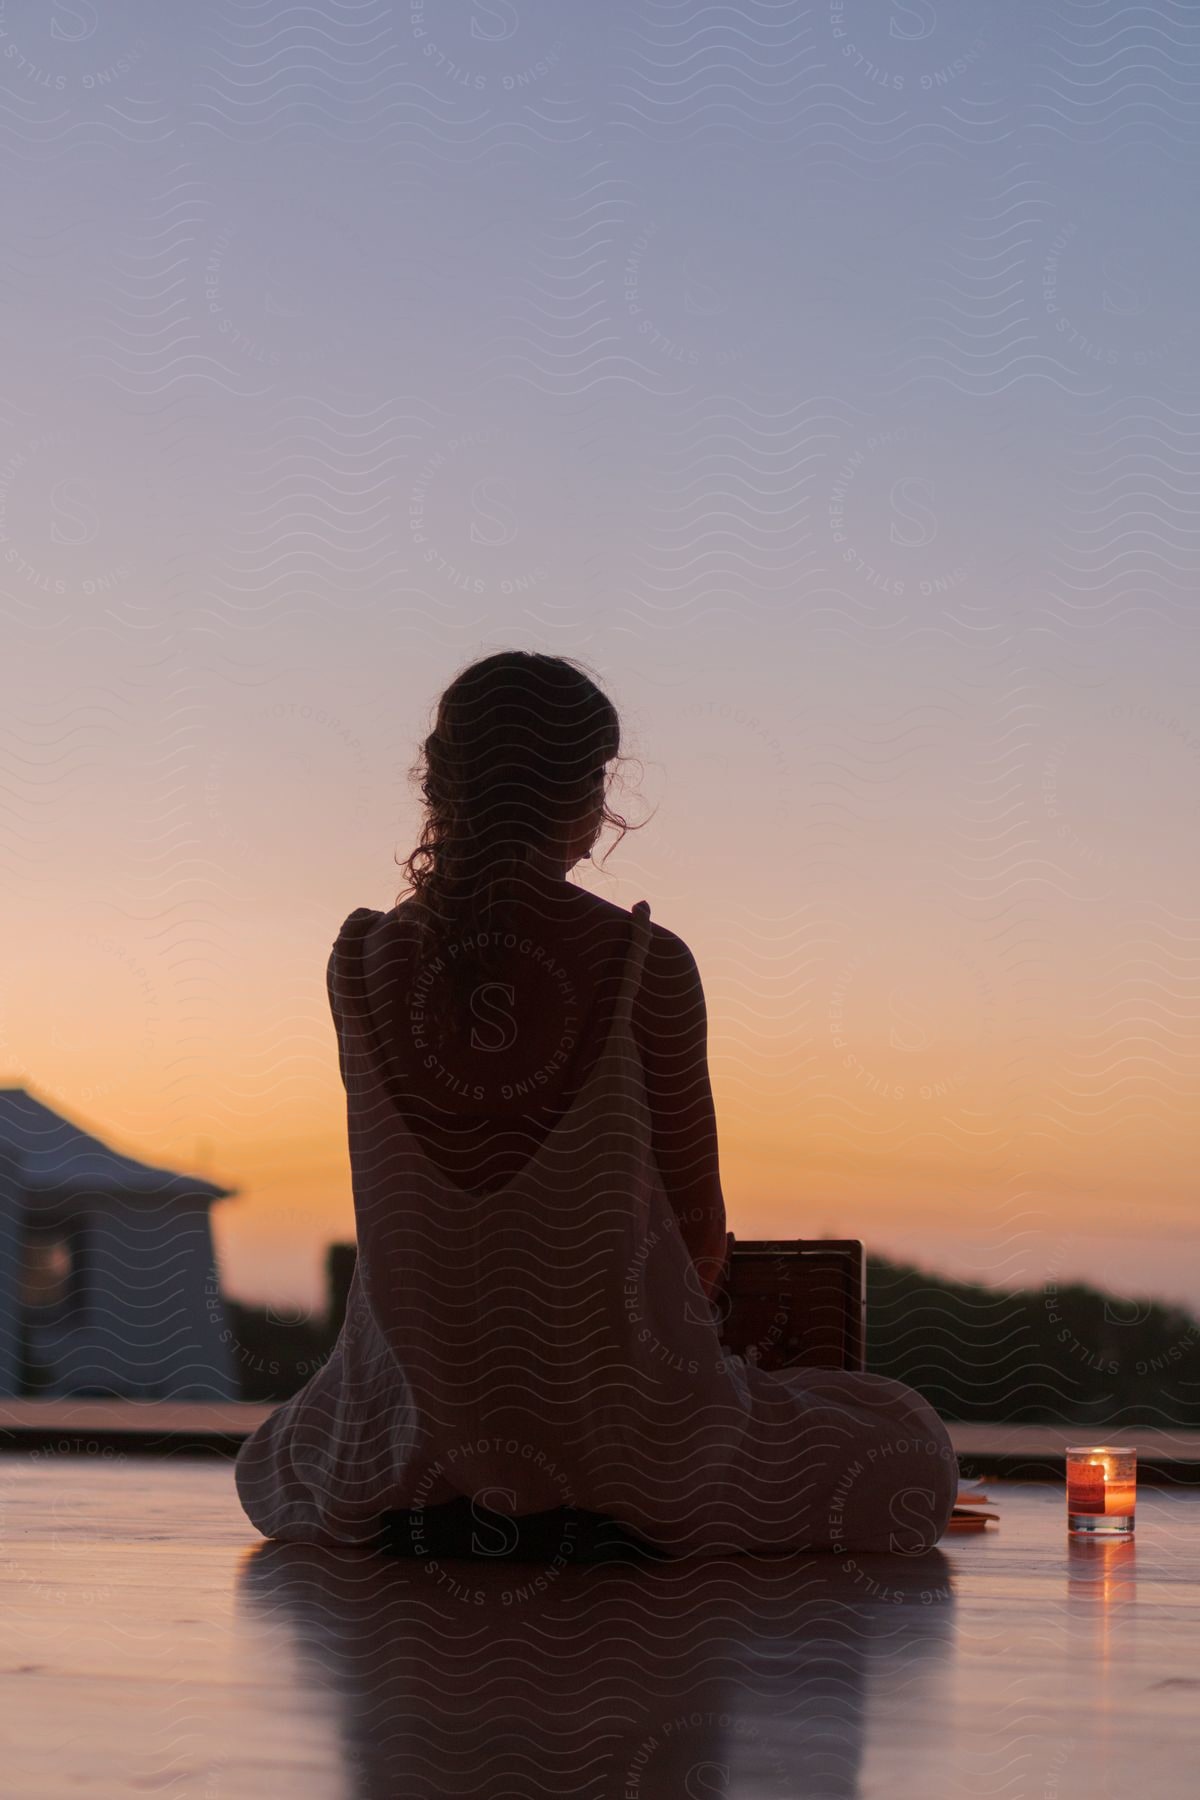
<point>54,1156</point>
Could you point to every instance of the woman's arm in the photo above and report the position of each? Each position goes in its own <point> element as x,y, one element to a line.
<point>671,1027</point>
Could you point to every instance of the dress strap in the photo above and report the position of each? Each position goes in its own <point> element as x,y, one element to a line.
<point>346,975</point>
<point>636,963</point>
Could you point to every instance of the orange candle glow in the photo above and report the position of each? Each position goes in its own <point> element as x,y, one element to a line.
<point>1101,1490</point>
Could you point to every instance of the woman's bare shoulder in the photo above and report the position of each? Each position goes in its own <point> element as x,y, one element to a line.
<point>359,912</point>
<point>668,956</point>
<point>670,1018</point>
<point>388,936</point>
<point>668,951</point>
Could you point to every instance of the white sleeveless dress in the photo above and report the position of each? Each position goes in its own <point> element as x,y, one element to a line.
<point>547,1346</point>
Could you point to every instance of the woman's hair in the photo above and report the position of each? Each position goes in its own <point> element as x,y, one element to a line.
<point>520,750</point>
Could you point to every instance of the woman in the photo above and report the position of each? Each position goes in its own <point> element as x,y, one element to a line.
<point>538,1202</point>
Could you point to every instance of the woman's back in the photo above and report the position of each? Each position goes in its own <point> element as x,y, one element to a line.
<point>482,1101</point>
<point>542,1342</point>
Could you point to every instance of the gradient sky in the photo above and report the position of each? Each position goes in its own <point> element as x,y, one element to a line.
<point>827,377</point>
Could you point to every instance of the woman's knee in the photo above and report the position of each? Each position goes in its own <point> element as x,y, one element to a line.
<point>923,1485</point>
<point>906,1480</point>
<point>924,1480</point>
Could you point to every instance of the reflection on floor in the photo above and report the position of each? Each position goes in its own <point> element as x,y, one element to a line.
<point>154,1644</point>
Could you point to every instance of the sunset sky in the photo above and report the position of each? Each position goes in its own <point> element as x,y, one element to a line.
<point>826,377</point>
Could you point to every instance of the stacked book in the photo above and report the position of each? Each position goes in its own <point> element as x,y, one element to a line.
<point>970,1511</point>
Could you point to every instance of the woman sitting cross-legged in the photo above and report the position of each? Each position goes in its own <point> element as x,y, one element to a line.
<point>538,1202</point>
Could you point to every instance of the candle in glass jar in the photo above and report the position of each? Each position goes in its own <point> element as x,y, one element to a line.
<point>1101,1490</point>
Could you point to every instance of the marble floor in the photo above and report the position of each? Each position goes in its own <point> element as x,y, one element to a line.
<point>153,1644</point>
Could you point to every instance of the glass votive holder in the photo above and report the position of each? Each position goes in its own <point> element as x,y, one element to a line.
<point>1101,1490</point>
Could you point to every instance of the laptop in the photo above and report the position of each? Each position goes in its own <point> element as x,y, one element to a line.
<point>795,1302</point>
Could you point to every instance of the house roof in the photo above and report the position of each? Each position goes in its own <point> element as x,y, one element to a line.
<point>55,1156</point>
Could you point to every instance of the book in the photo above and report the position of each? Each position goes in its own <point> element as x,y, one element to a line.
<point>971,1511</point>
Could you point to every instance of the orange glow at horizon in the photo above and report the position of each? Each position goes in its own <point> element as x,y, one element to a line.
<point>902,1088</point>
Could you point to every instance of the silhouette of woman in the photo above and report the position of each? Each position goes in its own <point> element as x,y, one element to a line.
<point>538,1202</point>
